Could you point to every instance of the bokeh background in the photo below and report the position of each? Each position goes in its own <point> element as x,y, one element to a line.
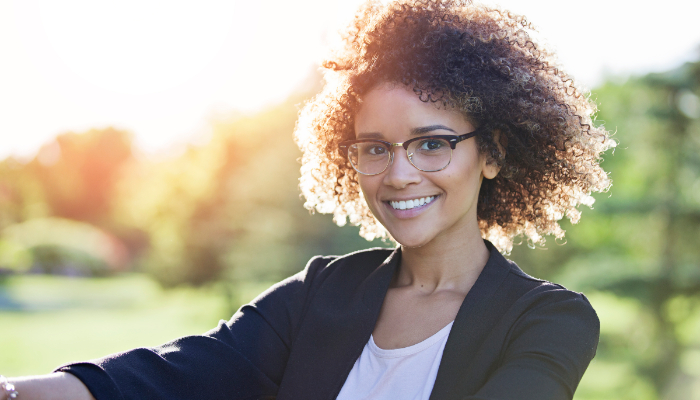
<point>148,182</point>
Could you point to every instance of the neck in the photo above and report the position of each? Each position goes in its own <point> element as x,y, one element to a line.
<point>452,263</point>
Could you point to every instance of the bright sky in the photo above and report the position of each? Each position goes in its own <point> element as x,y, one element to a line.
<point>161,69</point>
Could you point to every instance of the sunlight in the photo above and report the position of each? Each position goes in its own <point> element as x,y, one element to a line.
<point>162,70</point>
<point>159,69</point>
<point>135,47</point>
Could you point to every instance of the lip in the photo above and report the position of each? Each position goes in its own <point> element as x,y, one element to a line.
<point>402,214</point>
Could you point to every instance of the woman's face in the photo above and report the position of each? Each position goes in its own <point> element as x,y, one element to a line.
<point>392,113</point>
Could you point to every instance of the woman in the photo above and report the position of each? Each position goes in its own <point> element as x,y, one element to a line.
<point>446,128</point>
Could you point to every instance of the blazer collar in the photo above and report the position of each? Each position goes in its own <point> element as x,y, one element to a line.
<point>341,318</point>
<point>339,321</point>
<point>472,325</point>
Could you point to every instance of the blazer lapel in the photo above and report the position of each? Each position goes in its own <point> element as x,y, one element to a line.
<point>338,323</point>
<point>473,323</point>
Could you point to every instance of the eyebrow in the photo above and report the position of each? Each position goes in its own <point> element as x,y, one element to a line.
<point>426,129</point>
<point>414,132</point>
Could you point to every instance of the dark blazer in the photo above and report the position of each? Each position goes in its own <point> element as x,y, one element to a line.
<point>514,337</point>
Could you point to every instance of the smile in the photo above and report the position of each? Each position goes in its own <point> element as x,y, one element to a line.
<point>409,204</point>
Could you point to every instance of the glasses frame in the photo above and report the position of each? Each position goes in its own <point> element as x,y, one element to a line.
<point>451,139</point>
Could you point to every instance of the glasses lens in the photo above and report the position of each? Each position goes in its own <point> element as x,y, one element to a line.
<point>430,154</point>
<point>369,157</point>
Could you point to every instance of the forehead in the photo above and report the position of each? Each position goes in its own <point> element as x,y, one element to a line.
<point>391,109</point>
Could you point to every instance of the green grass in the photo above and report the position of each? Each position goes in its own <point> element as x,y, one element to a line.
<point>57,320</point>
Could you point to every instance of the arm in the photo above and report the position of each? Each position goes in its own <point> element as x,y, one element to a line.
<point>548,351</point>
<point>54,386</point>
<point>243,358</point>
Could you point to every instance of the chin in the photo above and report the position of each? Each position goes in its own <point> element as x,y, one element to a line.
<point>411,241</point>
<point>409,246</point>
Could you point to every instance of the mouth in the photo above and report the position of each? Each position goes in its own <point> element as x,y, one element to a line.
<point>410,204</point>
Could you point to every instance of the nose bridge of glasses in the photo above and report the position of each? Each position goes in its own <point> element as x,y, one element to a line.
<point>394,159</point>
<point>392,151</point>
<point>402,144</point>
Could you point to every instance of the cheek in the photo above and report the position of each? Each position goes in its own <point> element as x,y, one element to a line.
<point>466,180</point>
<point>468,168</point>
<point>363,184</point>
<point>369,190</point>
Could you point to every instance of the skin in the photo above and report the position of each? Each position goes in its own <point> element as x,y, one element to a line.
<point>442,249</point>
<point>56,386</point>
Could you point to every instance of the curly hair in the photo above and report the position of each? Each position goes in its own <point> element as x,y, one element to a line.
<point>484,63</point>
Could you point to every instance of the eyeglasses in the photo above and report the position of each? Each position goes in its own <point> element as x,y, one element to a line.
<point>426,153</point>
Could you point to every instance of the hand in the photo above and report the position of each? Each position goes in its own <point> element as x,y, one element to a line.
<point>55,386</point>
<point>7,389</point>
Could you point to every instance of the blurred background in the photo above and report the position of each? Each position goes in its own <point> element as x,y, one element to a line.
<point>148,182</point>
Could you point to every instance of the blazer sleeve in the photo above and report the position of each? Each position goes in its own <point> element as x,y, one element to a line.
<point>548,351</point>
<point>243,358</point>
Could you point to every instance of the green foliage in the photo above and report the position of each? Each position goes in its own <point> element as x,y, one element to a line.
<point>21,194</point>
<point>78,172</point>
<point>640,243</point>
<point>230,209</point>
<point>72,177</point>
<point>57,245</point>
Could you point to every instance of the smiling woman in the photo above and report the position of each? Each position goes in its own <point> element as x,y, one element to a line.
<point>445,127</point>
<point>483,64</point>
<point>447,178</point>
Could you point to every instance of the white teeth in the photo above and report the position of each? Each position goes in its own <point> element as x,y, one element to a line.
<point>409,204</point>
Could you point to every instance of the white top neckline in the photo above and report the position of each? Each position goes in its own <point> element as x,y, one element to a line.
<point>407,373</point>
<point>407,351</point>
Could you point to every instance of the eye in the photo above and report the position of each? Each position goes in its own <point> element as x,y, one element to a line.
<point>431,144</point>
<point>375,149</point>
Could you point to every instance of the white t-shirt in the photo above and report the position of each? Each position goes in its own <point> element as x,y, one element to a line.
<point>406,374</point>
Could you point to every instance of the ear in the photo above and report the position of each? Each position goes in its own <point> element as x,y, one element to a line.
<point>490,167</point>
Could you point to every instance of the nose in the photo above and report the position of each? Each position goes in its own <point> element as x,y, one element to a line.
<point>400,172</point>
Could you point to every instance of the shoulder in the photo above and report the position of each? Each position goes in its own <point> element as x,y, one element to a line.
<point>359,264</point>
<point>541,293</point>
<point>539,309</point>
<point>355,266</point>
<point>524,302</point>
<point>520,291</point>
<point>326,277</point>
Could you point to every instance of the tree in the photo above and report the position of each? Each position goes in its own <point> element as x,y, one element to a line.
<point>78,172</point>
<point>641,243</point>
<point>230,209</point>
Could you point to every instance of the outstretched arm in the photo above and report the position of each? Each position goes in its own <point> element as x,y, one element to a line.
<point>243,358</point>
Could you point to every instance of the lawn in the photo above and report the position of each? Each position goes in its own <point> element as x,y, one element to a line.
<point>46,321</point>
